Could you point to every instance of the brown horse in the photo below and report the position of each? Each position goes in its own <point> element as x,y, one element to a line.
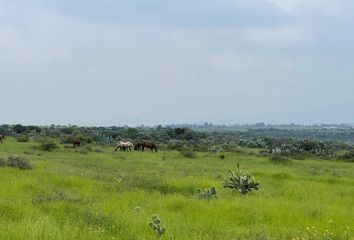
<point>76,143</point>
<point>2,138</point>
<point>142,145</point>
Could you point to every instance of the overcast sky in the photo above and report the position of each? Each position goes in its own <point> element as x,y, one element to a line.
<point>112,62</point>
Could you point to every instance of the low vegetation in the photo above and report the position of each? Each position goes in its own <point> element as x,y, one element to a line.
<point>275,158</point>
<point>22,138</point>
<point>15,162</point>
<point>48,146</point>
<point>349,156</point>
<point>92,192</point>
<point>288,141</point>
<point>188,154</point>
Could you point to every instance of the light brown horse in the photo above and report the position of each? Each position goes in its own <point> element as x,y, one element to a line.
<point>2,138</point>
<point>124,145</point>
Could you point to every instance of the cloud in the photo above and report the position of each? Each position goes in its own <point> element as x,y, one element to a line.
<point>58,67</point>
<point>290,6</point>
<point>279,36</point>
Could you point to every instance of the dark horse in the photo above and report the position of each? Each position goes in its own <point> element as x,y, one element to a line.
<point>152,146</point>
<point>2,138</point>
<point>76,143</point>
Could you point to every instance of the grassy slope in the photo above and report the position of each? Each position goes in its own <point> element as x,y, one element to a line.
<point>108,195</point>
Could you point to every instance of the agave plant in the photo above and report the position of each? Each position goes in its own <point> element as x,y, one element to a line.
<point>243,182</point>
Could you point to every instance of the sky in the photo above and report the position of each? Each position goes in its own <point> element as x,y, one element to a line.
<point>133,62</point>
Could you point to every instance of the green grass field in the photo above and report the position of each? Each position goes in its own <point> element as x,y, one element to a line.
<point>102,194</point>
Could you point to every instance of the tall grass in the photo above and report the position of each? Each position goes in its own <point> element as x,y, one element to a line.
<point>69,195</point>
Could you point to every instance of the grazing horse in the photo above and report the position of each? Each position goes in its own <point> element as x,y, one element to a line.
<point>152,146</point>
<point>124,145</point>
<point>76,143</point>
<point>2,138</point>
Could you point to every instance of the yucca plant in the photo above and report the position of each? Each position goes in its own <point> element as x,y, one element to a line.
<point>155,224</point>
<point>243,182</point>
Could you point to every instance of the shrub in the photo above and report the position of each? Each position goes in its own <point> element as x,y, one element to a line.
<point>207,193</point>
<point>67,139</point>
<point>155,225</point>
<point>176,145</point>
<point>279,159</point>
<point>67,130</point>
<point>18,162</point>
<point>48,146</point>
<point>22,138</point>
<point>349,156</point>
<point>214,149</point>
<point>18,128</point>
<point>3,162</point>
<point>243,182</point>
<point>188,154</point>
<point>98,150</point>
<point>222,156</point>
<point>84,139</point>
<point>85,150</point>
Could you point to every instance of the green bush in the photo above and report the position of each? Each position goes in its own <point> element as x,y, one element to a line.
<point>349,156</point>
<point>67,139</point>
<point>188,154</point>
<point>3,162</point>
<point>176,145</point>
<point>22,138</point>
<point>279,159</point>
<point>98,150</point>
<point>18,128</point>
<point>18,162</point>
<point>85,150</point>
<point>48,146</point>
<point>84,139</point>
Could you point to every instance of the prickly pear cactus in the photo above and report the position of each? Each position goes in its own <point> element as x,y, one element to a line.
<point>243,182</point>
<point>155,225</point>
<point>207,193</point>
